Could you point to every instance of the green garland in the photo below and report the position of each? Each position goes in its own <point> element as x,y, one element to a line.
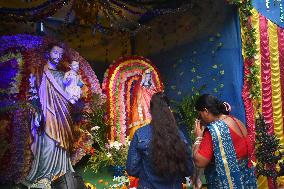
<point>245,10</point>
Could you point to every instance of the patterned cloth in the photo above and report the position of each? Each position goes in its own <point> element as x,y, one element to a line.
<point>227,172</point>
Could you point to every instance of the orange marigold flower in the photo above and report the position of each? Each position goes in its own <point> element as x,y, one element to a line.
<point>92,151</point>
<point>86,150</point>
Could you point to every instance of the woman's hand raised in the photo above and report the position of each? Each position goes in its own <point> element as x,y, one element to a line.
<point>198,130</point>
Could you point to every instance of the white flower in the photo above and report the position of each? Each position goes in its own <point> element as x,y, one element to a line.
<point>111,145</point>
<point>116,145</point>
<point>95,128</point>
<point>108,154</point>
<point>117,148</point>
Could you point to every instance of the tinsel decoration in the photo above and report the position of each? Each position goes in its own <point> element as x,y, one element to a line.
<point>101,15</point>
<point>267,151</point>
<point>34,14</point>
<point>105,14</point>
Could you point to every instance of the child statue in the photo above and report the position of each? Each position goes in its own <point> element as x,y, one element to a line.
<point>73,82</point>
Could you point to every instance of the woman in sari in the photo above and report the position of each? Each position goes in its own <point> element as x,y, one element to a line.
<point>222,146</point>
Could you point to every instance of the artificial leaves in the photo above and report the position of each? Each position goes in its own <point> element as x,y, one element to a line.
<point>245,10</point>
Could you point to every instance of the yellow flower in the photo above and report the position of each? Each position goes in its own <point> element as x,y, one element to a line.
<point>280,181</point>
<point>89,185</point>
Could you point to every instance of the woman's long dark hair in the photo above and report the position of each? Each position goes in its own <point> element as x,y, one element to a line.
<point>169,154</point>
<point>212,104</point>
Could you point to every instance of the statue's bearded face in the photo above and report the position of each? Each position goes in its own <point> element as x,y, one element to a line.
<point>56,54</point>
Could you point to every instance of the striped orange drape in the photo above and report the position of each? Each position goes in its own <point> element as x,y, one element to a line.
<point>270,61</point>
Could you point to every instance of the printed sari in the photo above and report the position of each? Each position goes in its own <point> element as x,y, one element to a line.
<point>227,172</point>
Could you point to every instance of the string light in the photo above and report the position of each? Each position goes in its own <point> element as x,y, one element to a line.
<point>281,16</point>
<point>281,12</point>
<point>267,3</point>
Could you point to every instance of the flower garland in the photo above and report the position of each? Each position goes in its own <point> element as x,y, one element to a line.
<point>250,51</point>
<point>15,112</point>
<point>117,86</point>
<point>245,8</point>
<point>18,59</point>
<point>251,87</point>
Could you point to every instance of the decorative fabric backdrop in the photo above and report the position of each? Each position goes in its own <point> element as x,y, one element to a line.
<point>273,10</point>
<point>214,60</point>
<point>270,60</point>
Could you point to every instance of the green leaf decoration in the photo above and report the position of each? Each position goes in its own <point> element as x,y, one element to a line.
<point>173,87</point>
<point>215,66</point>
<point>220,45</point>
